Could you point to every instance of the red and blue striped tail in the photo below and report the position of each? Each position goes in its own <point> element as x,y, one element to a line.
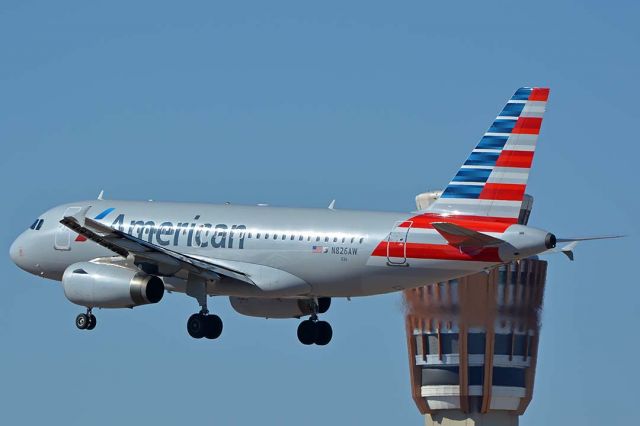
<point>491,183</point>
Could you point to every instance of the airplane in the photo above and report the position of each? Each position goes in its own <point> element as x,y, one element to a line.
<point>278,262</point>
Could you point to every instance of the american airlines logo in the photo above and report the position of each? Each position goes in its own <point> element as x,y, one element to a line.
<point>191,233</point>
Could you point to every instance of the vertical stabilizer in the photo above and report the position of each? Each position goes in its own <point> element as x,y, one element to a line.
<point>492,182</point>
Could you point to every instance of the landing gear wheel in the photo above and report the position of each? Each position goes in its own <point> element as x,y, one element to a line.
<point>82,321</point>
<point>213,326</point>
<point>307,332</point>
<point>323,304</point>
<point>92,322</point>
<point>324,333</point>
<point>196,326</point>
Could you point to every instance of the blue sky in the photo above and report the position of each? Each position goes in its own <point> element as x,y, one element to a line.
<point>297,103</point>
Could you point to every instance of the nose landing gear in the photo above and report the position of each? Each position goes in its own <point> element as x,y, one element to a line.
<point>86,321</point>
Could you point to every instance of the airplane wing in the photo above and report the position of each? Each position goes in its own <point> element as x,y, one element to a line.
<point>147,256</point>
<point>459,236</point>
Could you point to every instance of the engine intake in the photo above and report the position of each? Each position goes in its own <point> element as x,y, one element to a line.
<point>110,286</point>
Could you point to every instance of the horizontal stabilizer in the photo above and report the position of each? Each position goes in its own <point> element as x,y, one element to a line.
<point>567,250</point>
<point>601,237</point>
<point>459,236</point>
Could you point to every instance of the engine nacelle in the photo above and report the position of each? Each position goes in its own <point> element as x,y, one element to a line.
<point>524,241</point>
<point>97,285</point>
<point>271,308</point>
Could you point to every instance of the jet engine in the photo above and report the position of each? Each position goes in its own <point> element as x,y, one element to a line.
<point>524,241</point>
<point>277,308</point>
<point>97,285</point>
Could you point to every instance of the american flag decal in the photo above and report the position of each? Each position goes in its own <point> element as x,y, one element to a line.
<point>319,249</point>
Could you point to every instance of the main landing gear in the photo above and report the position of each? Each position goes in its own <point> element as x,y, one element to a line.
<point>202,324</point>
<point>86,321</point>
<point>314,331</point>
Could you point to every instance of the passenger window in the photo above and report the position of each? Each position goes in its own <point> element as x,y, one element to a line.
<point>266,236</point>
<point>335,239</point>
<point>257,235</point>
<point>343,238</point>
<point>39,225</point>
<point>309,238</point>
<point>284,236</point>
<point>352,239</point>
<point>361,240</point>
<point>249,235</point>
<point>326,239</point>
<point>275,236</point>
<point>293,237</point>
<point>301,238</point>
<point>318,238</point>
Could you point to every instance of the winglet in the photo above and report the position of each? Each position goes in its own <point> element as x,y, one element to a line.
<point>80,216</point>
<point>101,195</point>
<point>568,250</point>
<point>332,205</point>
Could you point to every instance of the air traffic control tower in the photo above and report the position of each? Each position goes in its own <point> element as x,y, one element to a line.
<point>473,342</point>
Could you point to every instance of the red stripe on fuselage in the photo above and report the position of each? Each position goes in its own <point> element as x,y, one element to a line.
<point>477,223</point>
<point>527,126</point>
<point>503,191</point>
<point>436,251</point>
<point>521,159</point>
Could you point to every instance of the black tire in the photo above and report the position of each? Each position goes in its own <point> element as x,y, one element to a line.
<point>307,332</point>
<point>82,321</point>
<point>92,322</point>
<point>196,326</point>
<point>323,304</point>
<point>213,326</point>
<point>324,333</point>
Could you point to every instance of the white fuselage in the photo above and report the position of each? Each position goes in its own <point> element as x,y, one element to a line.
<point>292,252</point>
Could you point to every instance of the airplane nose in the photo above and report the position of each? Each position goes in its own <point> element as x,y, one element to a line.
<point>17,253</point>
<point>22,254</point>
<point>14,251</point>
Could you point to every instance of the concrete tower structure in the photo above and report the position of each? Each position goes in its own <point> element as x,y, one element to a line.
<point>473,342</point>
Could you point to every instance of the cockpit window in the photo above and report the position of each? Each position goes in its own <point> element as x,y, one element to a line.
<point>37,224</point>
